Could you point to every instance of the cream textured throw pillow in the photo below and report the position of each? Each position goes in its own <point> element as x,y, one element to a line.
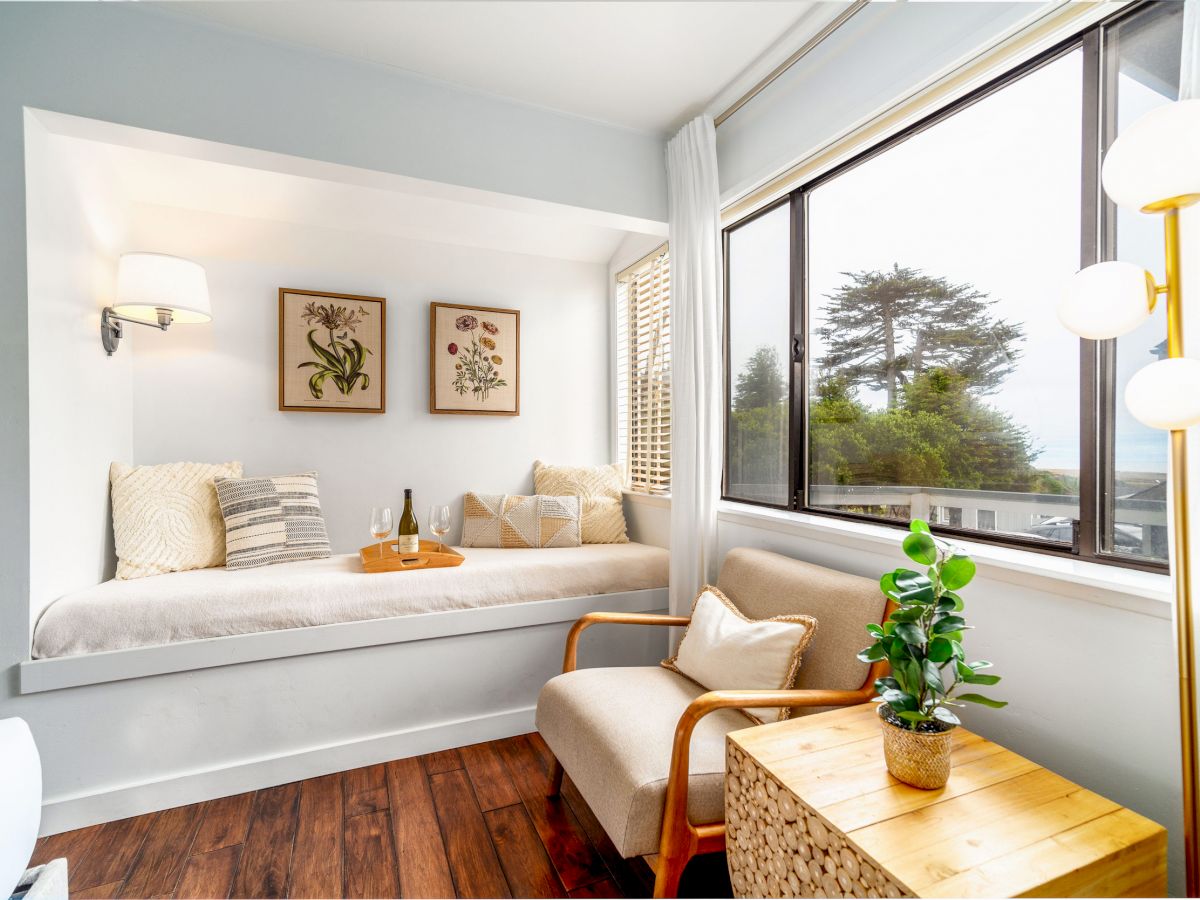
<point>724,650</point>
<point>505,520</point>
<point>166,518</point>
<point>599,491</point>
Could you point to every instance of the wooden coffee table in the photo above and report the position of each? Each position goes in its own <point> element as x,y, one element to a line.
<point>810,810</point>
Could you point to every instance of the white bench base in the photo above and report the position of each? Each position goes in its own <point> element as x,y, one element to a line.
<point>127,732</point>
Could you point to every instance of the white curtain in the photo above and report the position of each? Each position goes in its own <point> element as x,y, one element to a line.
<point>1189,68</point>
<point>696,396</point>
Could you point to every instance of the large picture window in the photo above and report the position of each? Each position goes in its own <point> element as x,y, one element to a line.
<point>893,347</point>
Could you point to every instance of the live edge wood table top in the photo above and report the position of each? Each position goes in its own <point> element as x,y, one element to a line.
<point>810,810</point>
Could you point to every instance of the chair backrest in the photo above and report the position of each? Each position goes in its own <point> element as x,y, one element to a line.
<point>765,584</point>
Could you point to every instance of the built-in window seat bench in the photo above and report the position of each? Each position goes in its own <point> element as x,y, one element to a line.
<point>328,604</point>
<point>179,688</point>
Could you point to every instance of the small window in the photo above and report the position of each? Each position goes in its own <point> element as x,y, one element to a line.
<point>1142,52</point>
<point>760,361</point>
<point>643,368</point>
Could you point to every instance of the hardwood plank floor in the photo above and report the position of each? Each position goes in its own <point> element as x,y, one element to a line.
<point>319,849</point>
<point>466,822</point>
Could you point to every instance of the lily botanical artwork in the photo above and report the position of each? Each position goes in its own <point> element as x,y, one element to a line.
<point>474,360</point>
<point>339,361</point>
<point>331,351</point>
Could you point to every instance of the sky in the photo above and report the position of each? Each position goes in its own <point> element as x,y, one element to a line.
<point>988,197</point>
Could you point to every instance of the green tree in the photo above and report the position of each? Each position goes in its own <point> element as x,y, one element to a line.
<point>939,435</point>
<point>883,329</point>
<point>761,383</point>
<point>758,432</point>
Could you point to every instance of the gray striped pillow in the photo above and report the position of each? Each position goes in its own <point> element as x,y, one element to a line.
<point>271,520</point>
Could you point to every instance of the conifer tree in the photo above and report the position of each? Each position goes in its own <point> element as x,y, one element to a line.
<point>883,329</point>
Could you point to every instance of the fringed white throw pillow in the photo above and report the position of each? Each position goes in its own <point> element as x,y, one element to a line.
<point>724,650</point>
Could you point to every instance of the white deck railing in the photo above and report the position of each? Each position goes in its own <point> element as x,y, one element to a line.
<point>1011,512</point>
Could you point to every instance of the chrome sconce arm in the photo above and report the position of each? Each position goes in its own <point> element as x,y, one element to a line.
<point>111,329</point>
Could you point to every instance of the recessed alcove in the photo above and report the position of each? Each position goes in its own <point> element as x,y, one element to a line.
<point>259,221</point>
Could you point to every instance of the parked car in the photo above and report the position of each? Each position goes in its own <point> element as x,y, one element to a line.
<point>1128,538</point>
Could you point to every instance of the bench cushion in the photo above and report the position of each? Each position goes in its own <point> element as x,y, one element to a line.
<point>612,730</point>
<point>207,603</point>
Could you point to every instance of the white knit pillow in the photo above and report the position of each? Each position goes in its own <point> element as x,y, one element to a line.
<point>724,650</point>
<point>599,491</point>
<point>166,518</point>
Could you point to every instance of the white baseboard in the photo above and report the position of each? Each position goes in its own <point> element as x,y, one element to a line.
<point>118,802</point>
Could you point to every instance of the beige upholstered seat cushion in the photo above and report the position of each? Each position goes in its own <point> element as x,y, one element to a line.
<point>612,731</point>
<point>765,584</point>
<point>166,517</point>
<point>599,491</point>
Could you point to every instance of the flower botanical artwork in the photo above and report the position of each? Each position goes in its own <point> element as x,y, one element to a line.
<point>474,360</point>
<point>476,366</point>
<point>331,351</point>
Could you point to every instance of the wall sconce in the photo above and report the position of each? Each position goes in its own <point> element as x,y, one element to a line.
<point>1154,167</point>
<point>155,289</point>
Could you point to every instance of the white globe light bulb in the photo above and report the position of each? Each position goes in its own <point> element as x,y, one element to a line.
<point>1155,160</point>
<point>1107,300</point>
<point>1166,394</point>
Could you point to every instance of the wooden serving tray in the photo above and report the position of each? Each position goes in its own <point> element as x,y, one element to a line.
<point>427,557</point>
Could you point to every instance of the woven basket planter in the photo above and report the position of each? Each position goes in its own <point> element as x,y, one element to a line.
<point>917,758</point>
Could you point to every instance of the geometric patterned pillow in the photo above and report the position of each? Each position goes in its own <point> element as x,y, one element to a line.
<point>511,522</point>
<point>272,520</point>
<point>599,489</point>
<point>166,518</point>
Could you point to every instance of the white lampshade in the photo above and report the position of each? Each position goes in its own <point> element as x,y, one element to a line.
<point>1157,158</point>
<point>1107,300</point>
<point>148,282</point>
<point>1166,394</point>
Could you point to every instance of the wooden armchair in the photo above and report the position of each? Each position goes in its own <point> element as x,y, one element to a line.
<point>612,728</point>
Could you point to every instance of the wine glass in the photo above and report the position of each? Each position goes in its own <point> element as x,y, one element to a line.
<point>381,525</point>
<point>439,522</point>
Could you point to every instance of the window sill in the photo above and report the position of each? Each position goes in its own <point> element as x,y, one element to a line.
<point>1148,593</point>
<point>660,500</point>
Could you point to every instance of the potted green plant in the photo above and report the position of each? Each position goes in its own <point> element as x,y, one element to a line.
<point>922,641</point>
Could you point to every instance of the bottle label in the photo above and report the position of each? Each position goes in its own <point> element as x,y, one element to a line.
<point>408,543</point>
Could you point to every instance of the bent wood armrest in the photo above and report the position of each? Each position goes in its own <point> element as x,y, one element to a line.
<point>612,618</point>
<point>675,821</point>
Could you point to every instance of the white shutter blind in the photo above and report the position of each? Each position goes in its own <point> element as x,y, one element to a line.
<point>644,373</point>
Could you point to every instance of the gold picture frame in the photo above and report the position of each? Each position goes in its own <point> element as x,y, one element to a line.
<point>332,352</point>
<point>474,360</point>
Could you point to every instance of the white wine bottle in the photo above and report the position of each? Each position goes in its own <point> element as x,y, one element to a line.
<point>408,541</point>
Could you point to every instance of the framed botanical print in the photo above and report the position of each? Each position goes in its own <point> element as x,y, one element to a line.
<point>331,352</point>
<point>474,360</point>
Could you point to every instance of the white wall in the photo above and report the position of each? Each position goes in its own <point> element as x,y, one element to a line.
<point>80,414</point>
<point>1090,686</point>
<point>209,393</point>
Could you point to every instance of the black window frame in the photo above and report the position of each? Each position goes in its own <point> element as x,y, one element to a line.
<point>1096,358</point>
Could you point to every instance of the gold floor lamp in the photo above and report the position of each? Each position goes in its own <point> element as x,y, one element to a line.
<point>1154,167</point>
